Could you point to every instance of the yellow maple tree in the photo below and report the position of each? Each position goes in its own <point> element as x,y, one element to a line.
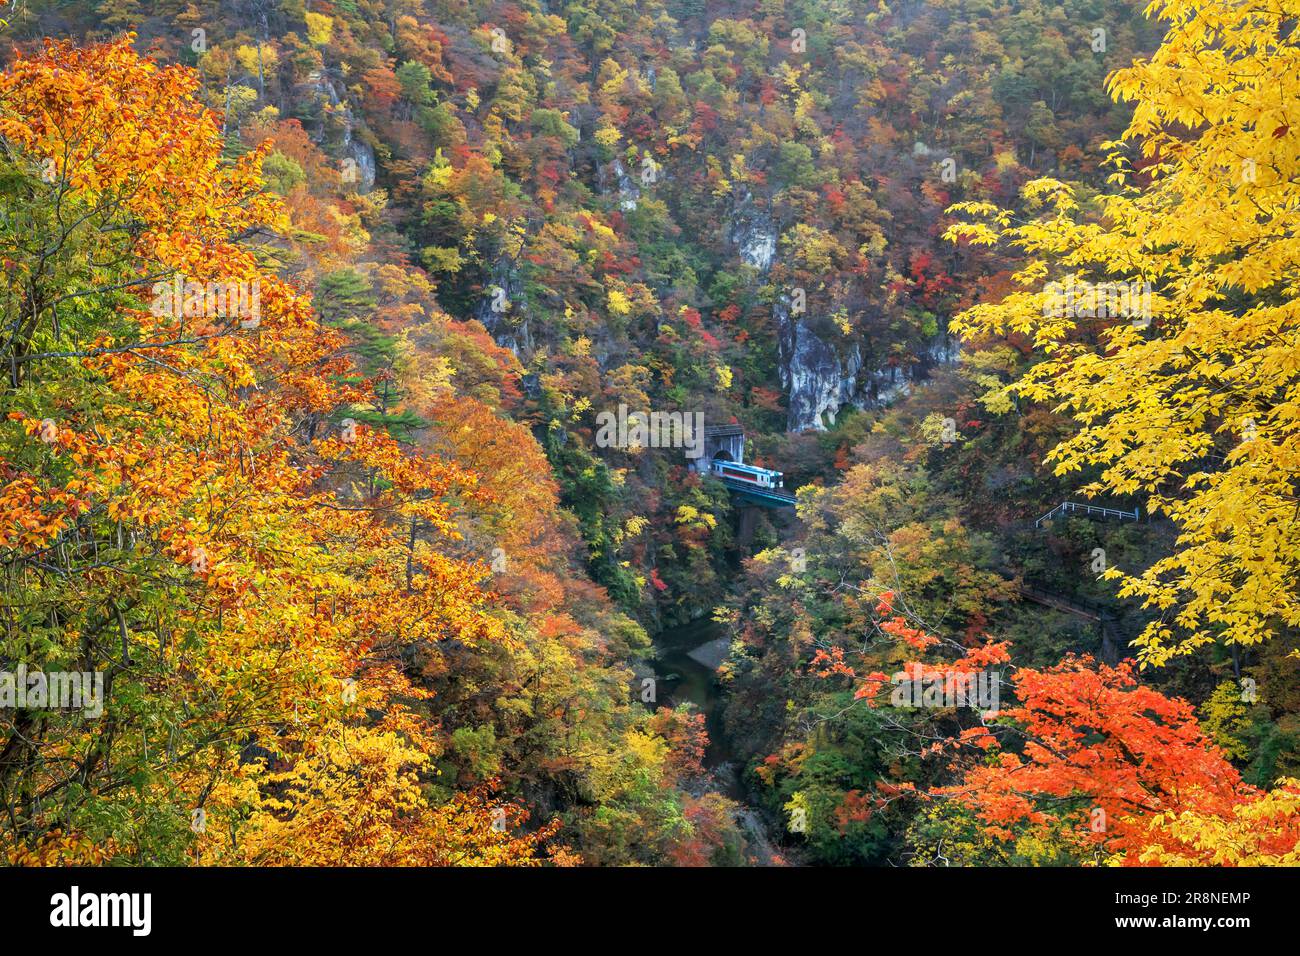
<point>1188,393</point>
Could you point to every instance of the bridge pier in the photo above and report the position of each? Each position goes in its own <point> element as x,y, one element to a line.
<point>746,523</point>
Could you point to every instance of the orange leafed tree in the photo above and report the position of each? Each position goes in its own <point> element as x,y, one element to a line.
<point>1084,757</point>
<point>179,513</point>
<point>1126,772</point>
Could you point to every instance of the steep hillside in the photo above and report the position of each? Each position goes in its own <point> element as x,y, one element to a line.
<point>482,229</point>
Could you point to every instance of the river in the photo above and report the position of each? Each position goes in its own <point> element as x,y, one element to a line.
<point>685,664</point>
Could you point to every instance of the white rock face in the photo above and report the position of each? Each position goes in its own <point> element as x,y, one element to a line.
<point>628,194</point>
<point>758,250</point>
<point>754,234</point>
<point>821,372</point>
<point>508,327</point>
<point>943,350</point>
<point>358,152</point>
<point>819,378</point>
<point>885,386</point>
<point>361,154</point>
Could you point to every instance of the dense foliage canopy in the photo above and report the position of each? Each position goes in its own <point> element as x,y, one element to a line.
<point>311,313</point>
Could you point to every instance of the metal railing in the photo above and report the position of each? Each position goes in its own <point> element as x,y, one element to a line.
<point>778,496</point>
<point>1088,511</point>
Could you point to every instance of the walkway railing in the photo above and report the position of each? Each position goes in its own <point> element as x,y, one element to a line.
<point>1088,511</point>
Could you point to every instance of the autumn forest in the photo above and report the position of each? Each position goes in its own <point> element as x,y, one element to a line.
<point>655,433</point>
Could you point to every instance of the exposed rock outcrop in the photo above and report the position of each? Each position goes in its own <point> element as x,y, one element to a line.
<point>628,193</point>
<point>822,371</point>
<point>501,309</point>
<point>754,234</point>
<point>358,159</point>
<point>818,377</point>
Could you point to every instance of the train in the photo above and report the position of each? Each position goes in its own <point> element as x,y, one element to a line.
<point>748,474</point>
